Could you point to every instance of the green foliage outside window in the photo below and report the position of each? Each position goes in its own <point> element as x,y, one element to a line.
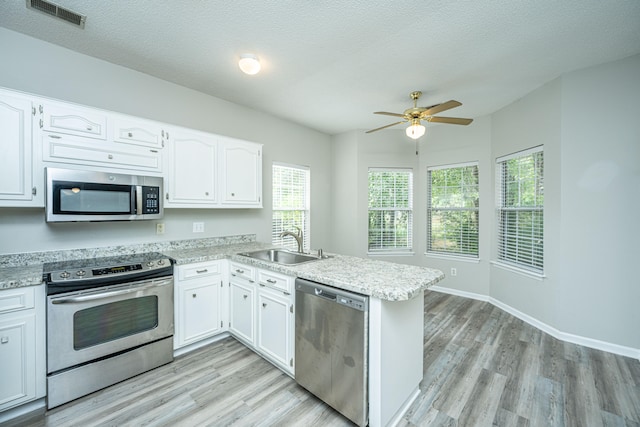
<point>390,210</point>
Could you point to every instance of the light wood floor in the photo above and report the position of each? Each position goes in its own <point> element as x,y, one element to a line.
<point>482,367</point>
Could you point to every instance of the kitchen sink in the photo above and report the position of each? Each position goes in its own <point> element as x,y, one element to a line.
<point>281,256</point>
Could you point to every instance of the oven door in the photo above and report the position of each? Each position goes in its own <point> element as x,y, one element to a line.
<point>87,325</point>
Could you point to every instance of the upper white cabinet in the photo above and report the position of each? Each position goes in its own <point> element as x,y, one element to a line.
<point>240,173</point>
<point>74,120</point>
<point>131,130</point>
<point>205,170</point>
<point>192,171</point>
<point>16,179</point>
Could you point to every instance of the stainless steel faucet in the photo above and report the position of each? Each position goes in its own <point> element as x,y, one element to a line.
<point>298,236</point>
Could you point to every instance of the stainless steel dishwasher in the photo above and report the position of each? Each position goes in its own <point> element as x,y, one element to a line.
<point>332,347</point>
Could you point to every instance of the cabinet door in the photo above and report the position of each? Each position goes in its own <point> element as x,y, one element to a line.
<point>17,358</point>
<point>274,324</point>
<point>198,312</point>
<point>15,149</point>
<point>192,169</point>
<point>241,173</point>
<point>241,303</point>
<point>130,130</point>
<point>74,120</point>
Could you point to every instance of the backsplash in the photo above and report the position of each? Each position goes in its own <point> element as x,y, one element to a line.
<point>29,258</point>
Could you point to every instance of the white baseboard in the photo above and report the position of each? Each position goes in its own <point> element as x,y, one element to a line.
<point>564,336</point>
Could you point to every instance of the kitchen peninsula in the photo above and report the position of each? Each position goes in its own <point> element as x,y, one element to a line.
<point>395,331</point>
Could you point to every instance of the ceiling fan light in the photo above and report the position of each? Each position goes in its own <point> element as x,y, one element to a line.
<point>249,64</point>
<point>415,131</point>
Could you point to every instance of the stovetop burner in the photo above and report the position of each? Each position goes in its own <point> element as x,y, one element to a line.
<point>74,275</point>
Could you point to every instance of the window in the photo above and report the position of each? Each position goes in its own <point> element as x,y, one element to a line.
<point>290,205</point>
<point>453,210</point>
<point>390,210</point>
<point>520,202</point>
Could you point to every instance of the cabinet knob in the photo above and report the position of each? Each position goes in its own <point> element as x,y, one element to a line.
<point>245,296</point>
<point>110,156</point>
<point>194,295</point>
<point>4,340</point>
<point>233,194</point>
<point>264,304</point>
<point>129,134</point>
<point>206,193</point>
<point>89,128</point>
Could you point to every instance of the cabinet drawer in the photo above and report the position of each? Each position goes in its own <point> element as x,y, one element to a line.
<point>74,121</point>
<point>201,269</point>
<point>68,150</point>
<point>17,299</point>
<point>243,271</point>
<point>275,280</point>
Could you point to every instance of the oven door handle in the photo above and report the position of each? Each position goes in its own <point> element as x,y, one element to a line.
<point>104,295</point>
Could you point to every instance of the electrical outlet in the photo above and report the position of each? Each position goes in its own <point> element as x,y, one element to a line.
<point>160,228</point>
<point>198,227</point>
<point>454,271</point>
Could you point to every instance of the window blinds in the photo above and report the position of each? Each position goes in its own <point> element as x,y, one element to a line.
<point>390,210</point>
<point>290,205</point>
<point>520,209</point>
<point>453,214</point>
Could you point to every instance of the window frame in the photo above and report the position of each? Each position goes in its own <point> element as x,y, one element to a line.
<point>504,251</point>
<point>451,254</point>
<point>389,250</point>
<point>289,242</point>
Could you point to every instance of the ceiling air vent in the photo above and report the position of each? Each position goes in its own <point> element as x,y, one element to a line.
<point>53,9</point>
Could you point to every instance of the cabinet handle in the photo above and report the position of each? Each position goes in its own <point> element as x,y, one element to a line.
<point>201,271</point>
<point>89,128</point>
<point>261,284</point>
<point>55,136</point>
<point>34,191</point>
<point>264,304</point>
<point>194,295</point>
<point>272,281</point>
<point>239,271</point>
<point>4,340</point>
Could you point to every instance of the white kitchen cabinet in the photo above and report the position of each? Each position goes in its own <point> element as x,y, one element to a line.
<point>73,120</point>
<point>22,353</point>
<point>73,150</point>
<point>241,310</point>
<point>132,130</point>
<point>16,179</point>
<point>240,173</point>
<point>275,324</point>
<point>199,302</point>
<point>192,169</point>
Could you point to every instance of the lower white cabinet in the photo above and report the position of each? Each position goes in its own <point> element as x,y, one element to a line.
<point>241,309</point>
<point>275,312</point>
<point>261,312</point>
<point>22,353</point>
<point>199,301</point>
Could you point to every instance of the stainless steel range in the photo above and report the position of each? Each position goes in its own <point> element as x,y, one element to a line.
<point>108,319</point>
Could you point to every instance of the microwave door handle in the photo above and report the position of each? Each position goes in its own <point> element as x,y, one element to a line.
<point>138,196</point>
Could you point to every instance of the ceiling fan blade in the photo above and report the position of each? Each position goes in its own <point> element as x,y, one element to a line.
<point>387,126</point>
<point>389,114</point>
<point>441,107</point>
<point>449,120</point>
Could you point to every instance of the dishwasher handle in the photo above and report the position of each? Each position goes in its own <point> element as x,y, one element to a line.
<point>324,294</point>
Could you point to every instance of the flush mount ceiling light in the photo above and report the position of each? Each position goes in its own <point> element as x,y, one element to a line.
<point>416,130</point>
<point>249,63</point>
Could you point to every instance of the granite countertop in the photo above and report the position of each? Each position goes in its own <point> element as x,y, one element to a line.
<point>385,280</point>
<point>379,279</point>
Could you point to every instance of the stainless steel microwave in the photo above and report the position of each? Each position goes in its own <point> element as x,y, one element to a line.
<point>80,195</point>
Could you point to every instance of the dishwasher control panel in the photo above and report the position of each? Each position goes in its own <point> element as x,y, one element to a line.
<point>358,305</point>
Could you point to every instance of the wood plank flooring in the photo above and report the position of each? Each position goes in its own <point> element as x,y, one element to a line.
<point>482,367</point>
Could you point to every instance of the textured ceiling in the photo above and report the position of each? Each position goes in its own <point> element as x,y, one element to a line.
<point>329,64</point>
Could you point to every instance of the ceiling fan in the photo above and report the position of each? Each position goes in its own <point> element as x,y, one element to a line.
<point>416,114</point>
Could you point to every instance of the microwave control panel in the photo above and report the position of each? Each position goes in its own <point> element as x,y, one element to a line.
<point>150,200</point>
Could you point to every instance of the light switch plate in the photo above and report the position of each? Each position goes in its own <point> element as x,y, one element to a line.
<point>198,227</point>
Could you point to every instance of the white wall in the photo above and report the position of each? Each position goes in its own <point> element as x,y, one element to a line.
<point>37,67</point>
<point>599,294</point>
